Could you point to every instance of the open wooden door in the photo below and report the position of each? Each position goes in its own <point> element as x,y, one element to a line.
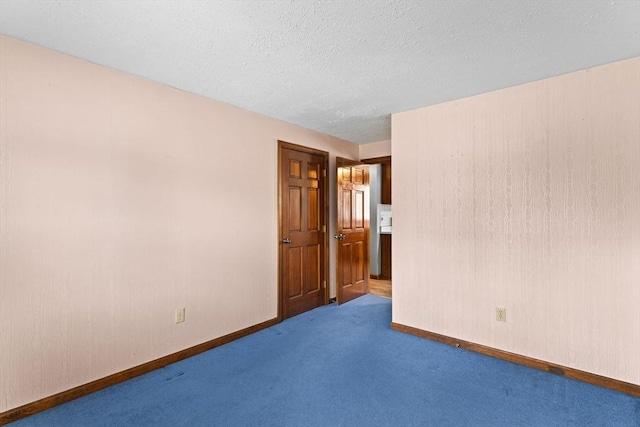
<point>352,230</point>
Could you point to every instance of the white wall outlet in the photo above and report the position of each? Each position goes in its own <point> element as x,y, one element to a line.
<point>180,315</point>
<point>501,314</point>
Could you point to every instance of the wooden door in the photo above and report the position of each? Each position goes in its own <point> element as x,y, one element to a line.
<point>352,230</point>
<point>303,239</point>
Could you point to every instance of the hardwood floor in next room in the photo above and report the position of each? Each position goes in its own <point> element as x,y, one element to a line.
<point>380,287</point>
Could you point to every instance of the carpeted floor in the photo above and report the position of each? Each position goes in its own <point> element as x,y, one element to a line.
<point>344,366</point>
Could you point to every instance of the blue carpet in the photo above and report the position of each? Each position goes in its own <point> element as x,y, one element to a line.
<point>344,366</point>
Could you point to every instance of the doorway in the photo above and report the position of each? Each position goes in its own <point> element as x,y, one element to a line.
<point>381,237</point>
<point>303,210</point>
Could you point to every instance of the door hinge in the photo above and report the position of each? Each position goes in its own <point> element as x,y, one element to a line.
<point>324,228</point>
<point>324,284</point>
<point>324,173</point>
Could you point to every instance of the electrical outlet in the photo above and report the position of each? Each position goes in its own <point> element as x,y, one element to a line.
<point>501,314</point>
<point>180,315</point>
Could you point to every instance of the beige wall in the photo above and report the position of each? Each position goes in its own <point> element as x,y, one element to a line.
<point>526,198</point>
<point>120,201</point>
<point>375,149</point>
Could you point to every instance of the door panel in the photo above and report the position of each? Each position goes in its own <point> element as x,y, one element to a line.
<point>358,176</point>
<point>313,209</point>
<point>359,209</point>
<point>313,272</point>
<point>352,230</point>
<point>295,267</point>
<point>302,235</point>
<point>345,266</point>
<point>346,209</point>
<point>295,208</point>
<point>359,261</point>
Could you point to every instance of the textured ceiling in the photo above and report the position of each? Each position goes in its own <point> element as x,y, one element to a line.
<point>340,67</point>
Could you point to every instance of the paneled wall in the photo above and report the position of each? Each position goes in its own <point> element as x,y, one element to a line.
<point>527,198</point>
<point>120,201</point>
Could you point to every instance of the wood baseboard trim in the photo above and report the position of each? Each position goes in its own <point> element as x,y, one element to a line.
<point>599,380</point>
<point>82,390</point>
<point>374,276</point>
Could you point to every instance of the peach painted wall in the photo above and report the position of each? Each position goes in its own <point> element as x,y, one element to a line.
<point>526,198</point>
<point>375,149</point>
<point>121,200</point>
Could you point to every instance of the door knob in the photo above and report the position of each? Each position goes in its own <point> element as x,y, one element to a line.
<point>287,240</point>
<point>340,236</point>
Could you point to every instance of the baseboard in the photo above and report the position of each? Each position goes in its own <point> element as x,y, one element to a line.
<point>82,390</point>
<point>374,276</point>
<point>599,380</point>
